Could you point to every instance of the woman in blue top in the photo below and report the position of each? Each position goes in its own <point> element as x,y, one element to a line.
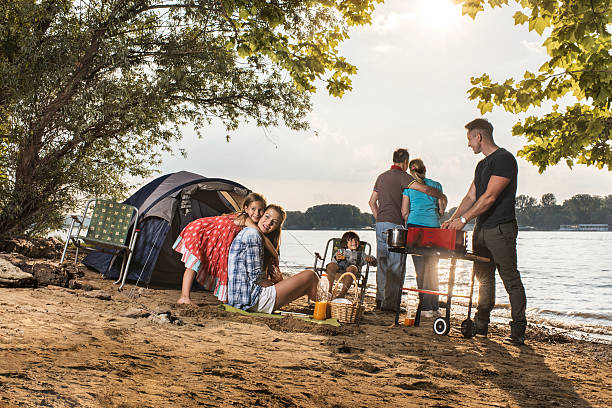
<point>421,210</point>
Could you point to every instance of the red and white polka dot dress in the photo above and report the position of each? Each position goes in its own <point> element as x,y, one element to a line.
<point>205,244</point>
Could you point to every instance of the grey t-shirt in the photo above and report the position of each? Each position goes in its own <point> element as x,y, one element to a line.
<point>389,186</point>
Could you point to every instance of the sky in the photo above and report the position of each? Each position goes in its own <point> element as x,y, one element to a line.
<point>414,65</point>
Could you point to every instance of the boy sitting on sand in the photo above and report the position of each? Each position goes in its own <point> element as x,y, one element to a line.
<point>348,259</point>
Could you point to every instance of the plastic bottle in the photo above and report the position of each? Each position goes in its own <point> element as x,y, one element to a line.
<point>323,289</point>
<point>320,311</point>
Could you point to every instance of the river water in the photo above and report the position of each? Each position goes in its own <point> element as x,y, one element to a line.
<point>567,277</point>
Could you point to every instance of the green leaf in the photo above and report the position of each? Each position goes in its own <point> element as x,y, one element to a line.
<point>520,18</point>
<point>485,107</point>
<point>471,8</point>
<point>538,24</point>
<point>578,64</point>
<point>244,50</point>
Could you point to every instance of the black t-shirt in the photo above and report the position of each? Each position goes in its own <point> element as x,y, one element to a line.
<point>503,164</point>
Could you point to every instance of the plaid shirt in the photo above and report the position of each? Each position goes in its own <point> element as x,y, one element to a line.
<point>244,269</point>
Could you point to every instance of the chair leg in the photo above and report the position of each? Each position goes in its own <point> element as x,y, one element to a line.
<point>123,273</point>
<point>110,265</point>
<point>364,286</point>
<point>127,268</point>
<point>67,241</point>
<point>76,254</point>
<point>129,258</point>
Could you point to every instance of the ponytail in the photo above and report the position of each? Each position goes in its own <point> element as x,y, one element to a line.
<point>417,170</point>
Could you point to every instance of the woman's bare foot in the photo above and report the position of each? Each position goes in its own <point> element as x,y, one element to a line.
<point>184,301</point>
<point>188,276</point>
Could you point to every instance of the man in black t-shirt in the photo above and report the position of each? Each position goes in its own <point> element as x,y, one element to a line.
<point>491,200</point>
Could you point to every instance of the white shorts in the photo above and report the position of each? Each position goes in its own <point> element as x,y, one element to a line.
<point>266,301</point>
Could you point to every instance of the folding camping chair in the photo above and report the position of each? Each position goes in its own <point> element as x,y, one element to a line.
<point>108,231</point>
<point>334,245</point>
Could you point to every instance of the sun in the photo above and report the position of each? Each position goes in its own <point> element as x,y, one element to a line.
<point>440,13</point>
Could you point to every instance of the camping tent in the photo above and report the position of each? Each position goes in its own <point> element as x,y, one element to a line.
<point>166,205</point>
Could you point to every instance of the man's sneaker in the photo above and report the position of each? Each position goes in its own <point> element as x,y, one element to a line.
<point>481,330</point>
<point>517,334</point>
<point>515,340</point>
<point>392,310</point>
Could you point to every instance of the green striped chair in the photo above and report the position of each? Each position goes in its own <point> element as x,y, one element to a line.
<point>108,230</point>
<point>332,246</point>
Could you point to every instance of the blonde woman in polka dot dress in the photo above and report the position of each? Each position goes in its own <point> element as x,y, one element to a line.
<point>204,245</point>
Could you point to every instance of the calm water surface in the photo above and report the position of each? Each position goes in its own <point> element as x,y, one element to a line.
<point>567,276</point>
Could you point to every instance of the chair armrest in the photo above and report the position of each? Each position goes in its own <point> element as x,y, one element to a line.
<point>370,260</point>
<point>76,218</point>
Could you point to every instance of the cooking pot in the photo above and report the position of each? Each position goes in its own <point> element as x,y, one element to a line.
<point>396,237</point>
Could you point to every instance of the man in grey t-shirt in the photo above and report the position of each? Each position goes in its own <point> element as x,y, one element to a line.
<point>386,205</point>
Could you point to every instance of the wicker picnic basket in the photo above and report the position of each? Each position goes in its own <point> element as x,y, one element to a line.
<point>346,312</point>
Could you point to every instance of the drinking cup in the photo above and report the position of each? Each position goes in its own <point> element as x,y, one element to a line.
<point>320,311</point>
<point>409,321</point>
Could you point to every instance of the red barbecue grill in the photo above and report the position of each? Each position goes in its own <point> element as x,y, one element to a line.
<point>443,243</point>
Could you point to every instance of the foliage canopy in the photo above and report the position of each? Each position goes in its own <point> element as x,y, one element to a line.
<point>547,215</point>
<point>329,216</point>
<point>92,91</point>
<point>578,43</point>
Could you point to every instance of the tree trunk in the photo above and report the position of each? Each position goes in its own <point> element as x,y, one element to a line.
<point>17,213</point>
<point>30,201</point>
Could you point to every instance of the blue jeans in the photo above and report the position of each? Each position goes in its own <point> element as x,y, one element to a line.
<point>426,268</point>
<point>389,270</point>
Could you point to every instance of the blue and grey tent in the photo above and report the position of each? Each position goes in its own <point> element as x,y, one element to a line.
<point>166,205</point>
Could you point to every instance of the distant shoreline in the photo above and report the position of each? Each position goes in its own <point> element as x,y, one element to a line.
<point>470,227</point>
<point>332,229</point>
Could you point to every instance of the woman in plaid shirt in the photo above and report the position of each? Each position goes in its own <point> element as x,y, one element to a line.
<point>248,287</point>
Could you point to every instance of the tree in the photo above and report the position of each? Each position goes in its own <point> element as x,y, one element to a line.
<point>606,210</point>
<point>94,91</point>
<point>295,220</point>
<point>527,210</point>
<point>583,208</point>
<point>578,43</point>
<point>329,216</point>
<point>524,202</point>
<point>3,144</point>
<point>550,215</point>
<point>549,200</point>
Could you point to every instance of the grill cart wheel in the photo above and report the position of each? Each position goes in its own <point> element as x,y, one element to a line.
<point>441,326</point>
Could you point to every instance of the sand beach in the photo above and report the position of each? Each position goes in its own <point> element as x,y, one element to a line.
<point>71,339</point>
